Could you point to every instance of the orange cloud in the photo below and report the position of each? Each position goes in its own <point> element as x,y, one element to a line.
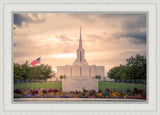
<point>108,39</point>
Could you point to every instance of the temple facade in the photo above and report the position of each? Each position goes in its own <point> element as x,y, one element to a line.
<point>80,67</point>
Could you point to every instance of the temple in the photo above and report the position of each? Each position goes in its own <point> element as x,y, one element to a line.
<point>80,67</point>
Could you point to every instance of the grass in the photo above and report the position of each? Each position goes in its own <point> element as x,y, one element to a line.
<point>102,85</point>
<point>51,85</point>
<point>120,86</point>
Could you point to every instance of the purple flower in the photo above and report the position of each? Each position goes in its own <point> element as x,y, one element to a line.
<point>28,95</point>
<point>51,96</point>
<point>19,95</point>
<point>68,95</point>
<point>64,96</point>
<point>107,96</point>
<point>85,96</point>
<point>36,96</point>
<point>57,96</point>
<point>45,96</point>
<point>120,96</point>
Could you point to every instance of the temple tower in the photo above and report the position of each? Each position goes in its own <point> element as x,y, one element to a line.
<point>80,67</point>
<point>80,53</point>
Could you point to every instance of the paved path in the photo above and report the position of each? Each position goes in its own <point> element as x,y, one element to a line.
<point>77,100</point>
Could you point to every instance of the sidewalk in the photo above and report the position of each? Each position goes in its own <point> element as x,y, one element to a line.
<point>79,100</point>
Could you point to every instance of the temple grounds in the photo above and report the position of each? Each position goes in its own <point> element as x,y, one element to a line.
<point>101,85</point>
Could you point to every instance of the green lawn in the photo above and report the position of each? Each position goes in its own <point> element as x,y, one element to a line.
<point>121,86</point>
<point>102,85</point>
<point>52,85</point>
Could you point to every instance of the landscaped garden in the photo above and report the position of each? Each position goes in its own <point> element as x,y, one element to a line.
<point>106,90</point>
<point>58,85</point>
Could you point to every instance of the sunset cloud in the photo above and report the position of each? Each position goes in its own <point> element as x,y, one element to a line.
<point>108,39</point>
<point>20,19</point>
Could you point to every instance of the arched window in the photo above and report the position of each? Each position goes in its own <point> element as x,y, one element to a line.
<point>80,56</point>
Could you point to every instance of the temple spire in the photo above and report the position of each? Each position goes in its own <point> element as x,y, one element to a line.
<point>80,40</point>
<point>80,53</point>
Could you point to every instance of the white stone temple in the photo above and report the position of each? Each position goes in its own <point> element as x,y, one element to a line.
<point>80,67</point>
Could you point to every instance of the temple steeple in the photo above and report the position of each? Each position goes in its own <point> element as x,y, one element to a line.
<point>80,52</point>
<point>80,40</point>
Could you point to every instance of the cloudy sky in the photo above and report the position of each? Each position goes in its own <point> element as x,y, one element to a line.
<point>108,39</point>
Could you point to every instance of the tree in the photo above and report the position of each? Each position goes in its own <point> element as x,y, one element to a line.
<point>21,72</point>
<point>61,77</point>
<point>135,68</point>
<point>43,72</point>
<point>98,77</point>
<point>112,73</point>
<point>24,72</point>
<point>17,72</point>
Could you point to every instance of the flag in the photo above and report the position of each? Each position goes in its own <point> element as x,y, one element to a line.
<point>36,61</point>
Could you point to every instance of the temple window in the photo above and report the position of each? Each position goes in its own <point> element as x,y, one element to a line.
<point>80,56</point>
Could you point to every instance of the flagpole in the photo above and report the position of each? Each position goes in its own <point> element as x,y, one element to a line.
<point>40,65</point>
<point>32,81</point>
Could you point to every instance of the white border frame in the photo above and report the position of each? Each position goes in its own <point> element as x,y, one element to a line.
<point>8,6</point>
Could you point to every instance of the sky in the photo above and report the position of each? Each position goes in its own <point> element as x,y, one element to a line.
<point>108,39</point>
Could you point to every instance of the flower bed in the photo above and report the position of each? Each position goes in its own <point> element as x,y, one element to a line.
<point>54,93</point>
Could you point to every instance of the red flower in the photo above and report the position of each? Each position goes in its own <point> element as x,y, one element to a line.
<point>91,96</point>
<point>34,91</point>
<point>55,90</point>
